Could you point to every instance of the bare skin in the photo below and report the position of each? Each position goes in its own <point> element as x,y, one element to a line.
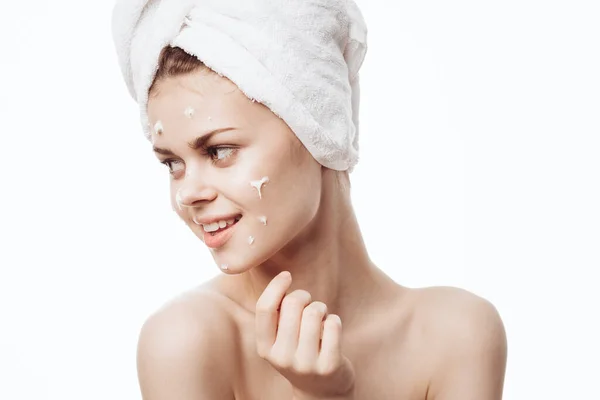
<point>430,343</point>
<point>214,342</point>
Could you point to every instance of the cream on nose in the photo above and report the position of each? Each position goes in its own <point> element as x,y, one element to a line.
<point>178,198</point>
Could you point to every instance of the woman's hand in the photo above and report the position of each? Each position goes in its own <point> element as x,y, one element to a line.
<point>289,338</point>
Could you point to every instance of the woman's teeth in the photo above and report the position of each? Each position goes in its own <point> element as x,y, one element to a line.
<point>218,225</point>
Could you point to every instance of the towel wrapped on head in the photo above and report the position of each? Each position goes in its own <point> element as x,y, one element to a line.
<point>300,58</point>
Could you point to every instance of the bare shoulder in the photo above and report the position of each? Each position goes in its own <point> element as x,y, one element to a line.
<point>185,350</point>
<point>452,307</point>
<point>466,340</point>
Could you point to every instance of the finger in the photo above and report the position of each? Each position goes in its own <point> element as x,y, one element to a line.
<point>311,328</point>
<point>288,330</point>
<point>267,312</point>
<point>331,344</point>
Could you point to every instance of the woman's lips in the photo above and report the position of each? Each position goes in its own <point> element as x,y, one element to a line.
<point>220,237</point>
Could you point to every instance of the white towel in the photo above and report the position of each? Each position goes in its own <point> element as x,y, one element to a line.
<point>300,58</point>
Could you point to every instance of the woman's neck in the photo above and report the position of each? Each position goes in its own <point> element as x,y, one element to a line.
<point>328,259</point>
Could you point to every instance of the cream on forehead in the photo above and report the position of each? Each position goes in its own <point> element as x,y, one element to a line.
<point>189,112</point>
<point>250,239</point>
<point>158,127</point>
<point>259,184</point>
<point>263,220</point>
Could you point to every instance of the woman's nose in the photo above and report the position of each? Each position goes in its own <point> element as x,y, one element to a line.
<point>194,192</point>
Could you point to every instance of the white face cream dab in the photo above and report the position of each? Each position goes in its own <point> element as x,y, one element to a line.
<point>259,184</point>
<point>178,198</point>
<point>158,128</point>
<point>189,112</point>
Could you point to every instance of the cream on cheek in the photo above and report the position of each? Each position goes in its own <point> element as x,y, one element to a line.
<point>259,184</point>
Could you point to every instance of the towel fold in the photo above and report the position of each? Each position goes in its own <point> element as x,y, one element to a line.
<point>300,58</point>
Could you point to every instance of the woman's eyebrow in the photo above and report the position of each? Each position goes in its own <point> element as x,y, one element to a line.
<point>196,143</point>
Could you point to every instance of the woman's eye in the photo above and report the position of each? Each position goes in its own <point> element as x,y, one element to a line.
<point>220,153</point>
<point>171,163</point>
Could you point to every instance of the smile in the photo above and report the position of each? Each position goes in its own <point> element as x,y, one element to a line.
<point>218,226</point>
<point>216,234</point>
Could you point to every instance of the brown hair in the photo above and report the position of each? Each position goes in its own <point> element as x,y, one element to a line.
<point>174,61</point>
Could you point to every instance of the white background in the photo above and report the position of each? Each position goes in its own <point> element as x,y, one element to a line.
<point>480,168</point>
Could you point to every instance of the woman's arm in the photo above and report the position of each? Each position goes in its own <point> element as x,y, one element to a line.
<point>475,350</point>
<point>184,353</point>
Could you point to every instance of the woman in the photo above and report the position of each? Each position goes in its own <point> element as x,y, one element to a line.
<point>300,311</point>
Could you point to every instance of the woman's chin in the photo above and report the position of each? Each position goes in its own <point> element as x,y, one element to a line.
<point>240,249</point>
<point>233,266</point>
<point>232,260</point>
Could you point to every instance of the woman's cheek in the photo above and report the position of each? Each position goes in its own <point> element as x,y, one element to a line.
<point>247,181</point>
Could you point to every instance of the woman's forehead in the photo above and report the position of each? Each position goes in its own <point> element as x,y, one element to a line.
<point>199,83</point>
<point>216,100</point>
<point>216,94</point>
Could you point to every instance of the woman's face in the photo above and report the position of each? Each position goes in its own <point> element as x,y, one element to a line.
<point>251,172</point>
